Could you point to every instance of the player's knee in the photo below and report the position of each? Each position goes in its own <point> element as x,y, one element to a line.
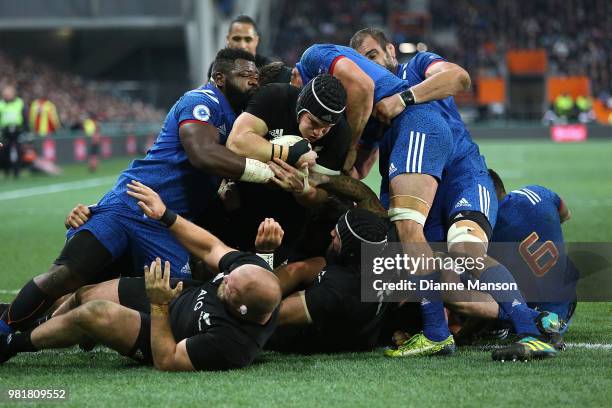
<point>84,295</point>
<point>96,312</point>
<point>58,281</point>
<point>468,234</point>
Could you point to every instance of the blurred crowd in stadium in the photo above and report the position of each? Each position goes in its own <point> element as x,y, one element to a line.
<point>74,99</point>
<point>577,40</point>
<point>475,34</point>
<point>575,36</point>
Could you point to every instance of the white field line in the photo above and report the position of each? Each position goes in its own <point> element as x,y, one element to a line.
<point>55,188</point>
<point>588,346</point>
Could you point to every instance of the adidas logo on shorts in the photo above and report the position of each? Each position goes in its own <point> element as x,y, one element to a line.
<point>392,169</point>
<point>186,270</point>
<point>463,203</point>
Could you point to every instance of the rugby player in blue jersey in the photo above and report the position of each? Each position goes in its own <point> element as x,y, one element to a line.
<point>185,166</point>
<point>531,217</point>
<point>435,186</point>
<point>440,81</point>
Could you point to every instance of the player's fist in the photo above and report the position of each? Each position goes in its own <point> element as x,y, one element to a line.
<point>148,200</point>
<point>78,216</point>
<point>269,236</point>
<point>388,108</point>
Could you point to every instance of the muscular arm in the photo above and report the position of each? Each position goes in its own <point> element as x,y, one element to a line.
<point>360,95</point>
<point>199,242</point>
<point>247,138</point>
<point>167,354</point>
<point>293,311</point>
<point>201,143</point>
<point>443,79</point>
<point>354,190</point>
<point>299,274</point>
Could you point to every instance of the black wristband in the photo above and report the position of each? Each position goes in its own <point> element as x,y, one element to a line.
<point>297,150</point>
<point>168,218</point>
<point>408,97</point>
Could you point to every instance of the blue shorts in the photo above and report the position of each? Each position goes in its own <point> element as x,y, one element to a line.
<point>421,141</point>
<point>119,228</point>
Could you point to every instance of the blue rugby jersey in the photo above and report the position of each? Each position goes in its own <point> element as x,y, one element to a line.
<point>166,168</point>
<point>529,217</point>
<point>321,58</point>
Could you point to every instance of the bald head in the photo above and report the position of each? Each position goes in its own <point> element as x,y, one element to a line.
<point>251,292</point>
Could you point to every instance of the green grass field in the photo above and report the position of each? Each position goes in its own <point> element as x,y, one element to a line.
<point>32,232</point>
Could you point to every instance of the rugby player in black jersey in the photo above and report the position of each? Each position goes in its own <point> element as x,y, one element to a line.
<point>322,310</point>
<point>279,109</point>
<point>221,324</point>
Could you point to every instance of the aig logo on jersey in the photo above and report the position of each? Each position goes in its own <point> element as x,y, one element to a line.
<point>201,112</point>
<point>276,133</point>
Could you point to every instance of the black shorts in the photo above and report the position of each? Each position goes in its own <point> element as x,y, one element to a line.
<point>133,295</point>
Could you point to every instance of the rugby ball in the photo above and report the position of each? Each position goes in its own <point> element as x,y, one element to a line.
<point>286,140</point>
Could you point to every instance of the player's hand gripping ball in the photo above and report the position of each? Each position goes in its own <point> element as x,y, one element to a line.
<point>307,158</point>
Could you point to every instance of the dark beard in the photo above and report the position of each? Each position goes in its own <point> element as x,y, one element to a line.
<point>237,99</point>
<point>331,256</point>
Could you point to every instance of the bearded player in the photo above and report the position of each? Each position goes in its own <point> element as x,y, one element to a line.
<point>184,165</point>
<point>436,186</point>
<point>217,325</point>
<point>432,79</point>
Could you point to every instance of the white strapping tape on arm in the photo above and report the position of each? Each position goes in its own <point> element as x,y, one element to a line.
<point>398,214</point>
<point>256,172</point>
<point>462,234</point>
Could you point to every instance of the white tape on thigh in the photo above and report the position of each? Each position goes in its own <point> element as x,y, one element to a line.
<point>397,214</point>
<point>457,234</point>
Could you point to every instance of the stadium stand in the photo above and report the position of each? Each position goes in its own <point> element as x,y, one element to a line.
<point>305,23</point>
<point>575,34</point>
<point>73,96</point>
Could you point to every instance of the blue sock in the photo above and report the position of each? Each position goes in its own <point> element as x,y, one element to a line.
<point>502,315</point>
<point>5,328</point>
<point>512,305</point>
<point>435,326</point>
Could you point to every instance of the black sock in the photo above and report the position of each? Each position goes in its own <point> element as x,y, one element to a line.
<point>35,323</point>
<point>29,305</point>
<point>22,343</point>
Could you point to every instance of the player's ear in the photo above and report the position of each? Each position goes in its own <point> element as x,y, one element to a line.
<point>219,79</point>
<point>391,49</point>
